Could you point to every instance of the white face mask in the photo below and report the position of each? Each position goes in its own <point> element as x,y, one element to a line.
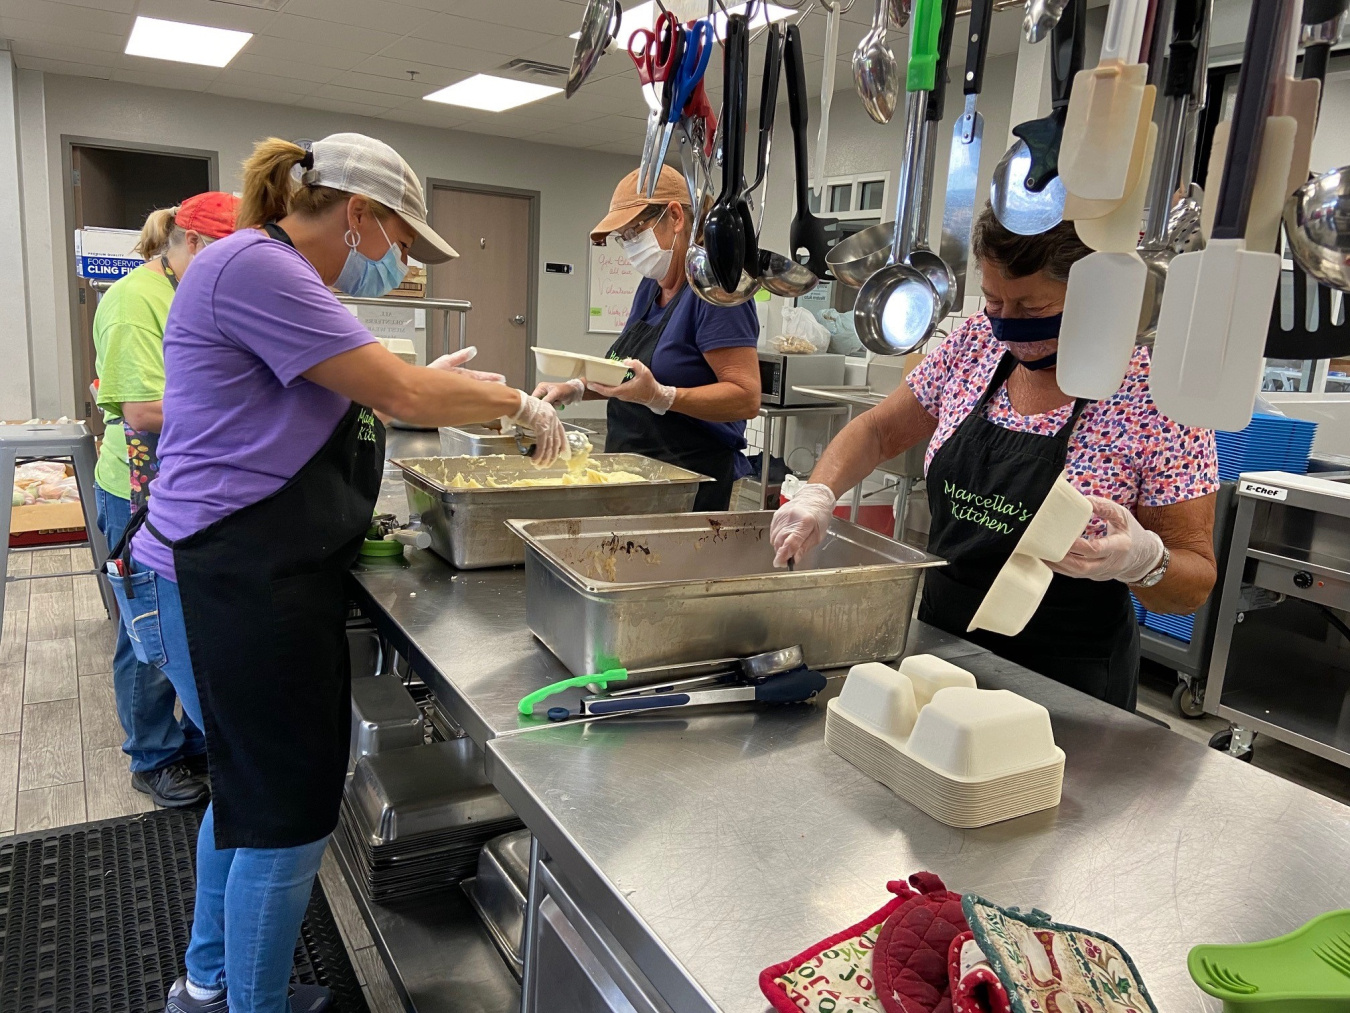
<point>647,256</point>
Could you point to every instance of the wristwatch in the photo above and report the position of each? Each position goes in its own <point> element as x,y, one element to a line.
<point>1156,574</point>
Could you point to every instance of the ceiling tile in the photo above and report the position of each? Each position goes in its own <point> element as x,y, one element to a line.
<point>618,148</point>
<point>400,87</point>
<point>330,34</point>
<point>429,76</point>
<point>65,53</point>
<point>208,12</point>
<point>427,114</point>
<point>397,18</point>
<point>438,54</point>
<point>119,6</point>
<point>560,19</point>
<point>354,96</point>
<point>281,89</point>
<point>255,94</point>
<point>20,32</point>
<point>56,15</point>
<point>556,51</point>
<point>300,53</point>
<point>505,39</point>
<point>289,69</point>
<point>61,67</point>
<point>360,109</point>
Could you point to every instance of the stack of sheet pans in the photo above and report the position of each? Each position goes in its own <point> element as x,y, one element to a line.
<point>415,819</point>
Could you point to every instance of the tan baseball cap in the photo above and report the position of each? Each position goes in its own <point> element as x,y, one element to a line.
<point>627,205</point>
<point>362,165</point>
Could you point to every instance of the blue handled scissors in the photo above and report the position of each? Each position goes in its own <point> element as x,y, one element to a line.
<point>698,49</point>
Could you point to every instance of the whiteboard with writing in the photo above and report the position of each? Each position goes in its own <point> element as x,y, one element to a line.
<point>613,282</point>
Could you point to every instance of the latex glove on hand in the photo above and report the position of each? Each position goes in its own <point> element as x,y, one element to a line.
<point>643,389</point>
<point>454,363</point>
<point>541,419</point>
<point>799,525</point>
<point>561,394</point>
<point>1128,551</point>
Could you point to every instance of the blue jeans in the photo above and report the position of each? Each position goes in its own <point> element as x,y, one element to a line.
<point>250,901</point>
<point>145,697</point>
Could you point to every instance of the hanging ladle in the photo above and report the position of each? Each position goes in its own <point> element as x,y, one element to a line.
<point>724,229</point>
<point>697,265</point>
<point>897,307</point>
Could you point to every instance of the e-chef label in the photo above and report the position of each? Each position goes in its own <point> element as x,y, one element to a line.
<point>1264,491</point>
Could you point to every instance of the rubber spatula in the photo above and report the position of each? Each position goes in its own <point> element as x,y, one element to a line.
<point>1106,290</point>
<point>1216,306</point>
<point>1102,154</point>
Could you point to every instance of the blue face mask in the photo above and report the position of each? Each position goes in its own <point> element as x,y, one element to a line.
<point>1023,330</point>
<point>368,278</point>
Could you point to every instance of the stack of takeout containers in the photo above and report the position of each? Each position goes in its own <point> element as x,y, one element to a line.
<point>415,819</point>
<point>967,757</point>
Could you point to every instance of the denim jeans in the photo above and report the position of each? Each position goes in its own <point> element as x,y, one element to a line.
<point>145,697</point>
<point>250,901</point>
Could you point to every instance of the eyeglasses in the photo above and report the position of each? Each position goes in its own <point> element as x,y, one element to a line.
<point>637,228</point>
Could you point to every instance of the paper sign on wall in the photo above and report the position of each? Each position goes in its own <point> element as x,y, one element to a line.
<point>612,284</point>
<point>388,321</point>
<point>106,254</point>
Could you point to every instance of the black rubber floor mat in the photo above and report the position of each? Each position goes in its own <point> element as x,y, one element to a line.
<point>95,918</point>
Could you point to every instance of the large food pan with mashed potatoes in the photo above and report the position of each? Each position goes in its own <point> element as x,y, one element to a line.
<point>465,502</point>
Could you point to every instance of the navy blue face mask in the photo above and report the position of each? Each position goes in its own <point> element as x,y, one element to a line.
<point>1024,330</point>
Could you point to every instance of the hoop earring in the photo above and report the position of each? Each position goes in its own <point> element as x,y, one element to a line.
<point>352,238</point>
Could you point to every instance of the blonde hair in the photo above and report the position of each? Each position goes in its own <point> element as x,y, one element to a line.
<point>271,190</point>
<point>159,232</point>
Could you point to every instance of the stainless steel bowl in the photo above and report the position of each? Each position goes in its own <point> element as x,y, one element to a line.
<point>1317,221</point>
<point>862,254</point>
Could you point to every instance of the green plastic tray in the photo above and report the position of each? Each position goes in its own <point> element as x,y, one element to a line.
<point>1307,971</point>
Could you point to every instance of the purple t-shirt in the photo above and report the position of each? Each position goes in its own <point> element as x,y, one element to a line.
<point>240,420</point>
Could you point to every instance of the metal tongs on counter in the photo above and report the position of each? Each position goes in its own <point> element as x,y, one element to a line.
<point>774,677</point>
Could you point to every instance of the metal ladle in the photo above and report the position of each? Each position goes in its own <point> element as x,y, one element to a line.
<point>697,265</point>
<point>1317,222</point>
<point>876,74</point>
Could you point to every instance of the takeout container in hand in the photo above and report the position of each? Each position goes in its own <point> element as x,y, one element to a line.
<point>968,757</point>
<point>573,365</point>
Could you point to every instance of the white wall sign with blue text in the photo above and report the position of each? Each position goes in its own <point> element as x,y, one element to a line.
<point>105,254</point>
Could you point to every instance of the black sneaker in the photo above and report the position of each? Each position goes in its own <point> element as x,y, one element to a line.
<point>180,1001</point>
<point>172,787</point>
<point>196,764</point>
<point>310,998</point>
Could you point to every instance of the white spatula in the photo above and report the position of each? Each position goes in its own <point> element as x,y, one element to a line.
<point>1216,306</point>
<point>1106,290</point>
<point>1100,157</point>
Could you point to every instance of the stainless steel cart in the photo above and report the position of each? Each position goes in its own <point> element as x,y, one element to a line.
<point>1281,659</point>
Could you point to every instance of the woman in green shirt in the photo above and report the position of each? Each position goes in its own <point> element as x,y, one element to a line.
<point>128,342</point>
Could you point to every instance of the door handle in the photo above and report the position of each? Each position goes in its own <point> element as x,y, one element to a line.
<point>519,318</point>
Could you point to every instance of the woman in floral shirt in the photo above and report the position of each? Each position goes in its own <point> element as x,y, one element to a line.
<point>999,433</point>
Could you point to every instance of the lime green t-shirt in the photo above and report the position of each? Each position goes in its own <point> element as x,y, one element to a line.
<point>129,349</point>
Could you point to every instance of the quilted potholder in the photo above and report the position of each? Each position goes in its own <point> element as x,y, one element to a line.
<point>834,975</point>
<point>910,961</point>
<point>1045,967</point>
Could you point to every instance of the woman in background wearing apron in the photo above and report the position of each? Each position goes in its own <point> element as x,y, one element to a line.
<point>270,462</point>
<point>695,368</point>
<point>1000,431</point>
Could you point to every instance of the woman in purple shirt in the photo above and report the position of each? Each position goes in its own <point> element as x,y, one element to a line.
<point>270,462</point>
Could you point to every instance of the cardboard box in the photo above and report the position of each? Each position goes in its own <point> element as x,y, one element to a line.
<point>46,517</point>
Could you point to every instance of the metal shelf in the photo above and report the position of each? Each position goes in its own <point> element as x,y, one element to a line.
<point>439,955</point>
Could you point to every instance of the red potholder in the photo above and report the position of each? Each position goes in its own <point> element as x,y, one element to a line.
<point>909,964</point>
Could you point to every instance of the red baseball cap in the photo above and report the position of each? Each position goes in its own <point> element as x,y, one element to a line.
<point>211,213</point>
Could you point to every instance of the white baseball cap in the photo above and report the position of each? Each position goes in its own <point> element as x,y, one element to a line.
<point>362,165</point>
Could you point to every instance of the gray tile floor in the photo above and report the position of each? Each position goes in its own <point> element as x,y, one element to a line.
<point>61,761</point>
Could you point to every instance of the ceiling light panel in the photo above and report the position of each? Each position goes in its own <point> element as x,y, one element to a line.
<point>184,43</point>
<point>491,94</point>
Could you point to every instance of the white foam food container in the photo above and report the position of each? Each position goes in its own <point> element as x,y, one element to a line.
<point>570,365</point>
<point>982,734</point>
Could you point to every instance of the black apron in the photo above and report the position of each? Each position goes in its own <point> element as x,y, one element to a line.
<point>264,604</point>
<point>984,485</point>
<point>674,438</point>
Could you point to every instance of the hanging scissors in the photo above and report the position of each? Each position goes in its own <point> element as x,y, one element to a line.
<point>698,47</point>
<point>656,55</point>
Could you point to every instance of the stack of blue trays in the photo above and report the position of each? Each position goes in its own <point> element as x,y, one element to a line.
<point>1269,443</point>
<point>1139,611</point>
<point>1179,627</point>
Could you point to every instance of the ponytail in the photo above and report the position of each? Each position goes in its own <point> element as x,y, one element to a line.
<point>156,233</point>
<point>268,182</point>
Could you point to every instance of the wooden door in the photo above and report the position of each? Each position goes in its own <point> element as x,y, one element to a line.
<point>96,204</point>
<point>491,231</point>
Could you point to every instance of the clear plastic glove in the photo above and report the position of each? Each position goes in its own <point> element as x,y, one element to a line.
<point>643,389</point>
<point>541,419</point>
<point>561,394</point>
<point>1128,551</point>
<point>454,363</point>
<point>800,524</point>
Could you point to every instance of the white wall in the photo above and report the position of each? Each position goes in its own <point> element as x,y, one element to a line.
<point>575,187</point>
<point>15,380</point>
